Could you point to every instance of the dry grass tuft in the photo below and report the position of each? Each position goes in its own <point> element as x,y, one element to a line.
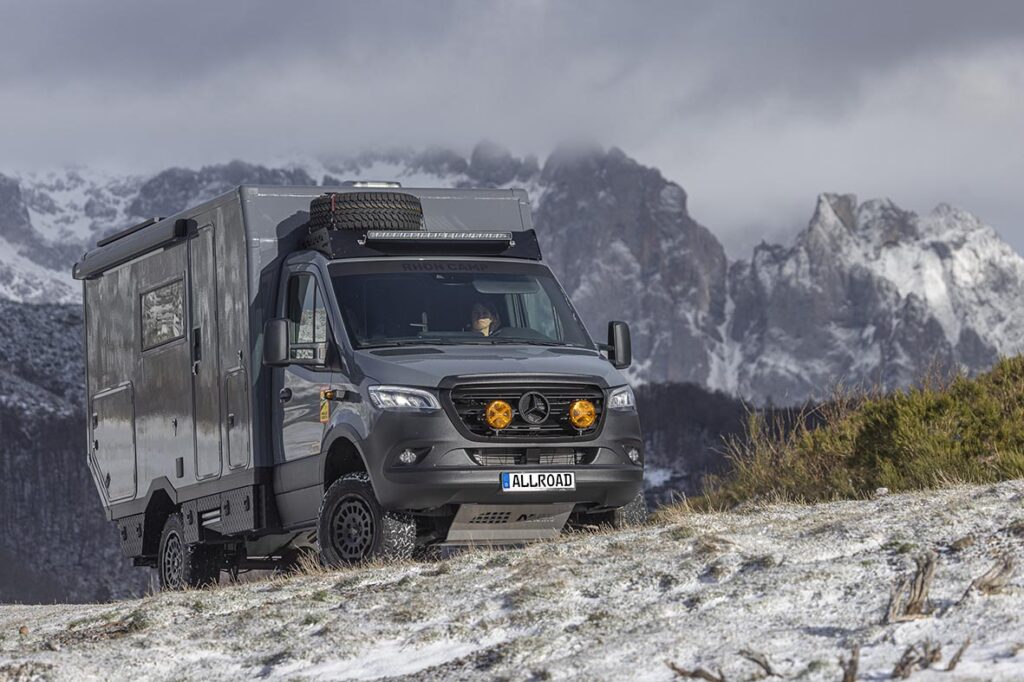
<point>761,660</point>
<point>849,667</point>
<point>916,604</point>
<point>917,657</point>
<point>995,579</point>
<point>696,673</point>
<point>953,662</point>
<point>949,429</point>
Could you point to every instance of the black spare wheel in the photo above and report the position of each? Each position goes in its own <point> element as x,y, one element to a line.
<point>182,565</point>
<point>366,211</point>
<point>352,526</point>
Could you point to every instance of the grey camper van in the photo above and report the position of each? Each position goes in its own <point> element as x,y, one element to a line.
<point>356,371</point>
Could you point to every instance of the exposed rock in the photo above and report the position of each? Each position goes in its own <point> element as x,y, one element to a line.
<point>618,235</point>
<point>872,294</point>
<point>55,542</point>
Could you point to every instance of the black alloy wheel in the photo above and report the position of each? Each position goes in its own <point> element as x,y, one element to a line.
<point>181,565</point>
<point>353,528</point>
<point>172,562</point>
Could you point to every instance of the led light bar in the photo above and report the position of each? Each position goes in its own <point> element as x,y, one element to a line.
<point>370,183</point>
<point>423,236</point>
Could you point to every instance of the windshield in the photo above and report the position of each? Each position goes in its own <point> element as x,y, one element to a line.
<point>456,302</point>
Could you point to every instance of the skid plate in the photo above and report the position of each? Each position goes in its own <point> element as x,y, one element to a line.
<point>502,523</point>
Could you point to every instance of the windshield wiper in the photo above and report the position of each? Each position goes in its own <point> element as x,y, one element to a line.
<point>435,341</point>
<point>527,342</point>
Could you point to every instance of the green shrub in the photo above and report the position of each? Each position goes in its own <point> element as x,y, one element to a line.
<point>956,430</point>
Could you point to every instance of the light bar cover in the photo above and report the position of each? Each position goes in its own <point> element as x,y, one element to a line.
<point>423,236</point>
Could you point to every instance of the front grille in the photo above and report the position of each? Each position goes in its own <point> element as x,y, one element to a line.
<point>508,457</point>
<point>470,400</point>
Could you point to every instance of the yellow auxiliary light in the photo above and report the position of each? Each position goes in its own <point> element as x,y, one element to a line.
<point>498,414</point>
<point>582,414</point>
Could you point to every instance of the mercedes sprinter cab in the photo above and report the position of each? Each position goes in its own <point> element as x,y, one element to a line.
<point>358,372</point>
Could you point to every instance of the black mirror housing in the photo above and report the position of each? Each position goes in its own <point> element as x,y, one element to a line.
<point>275,343</point>
<point>620,351</point>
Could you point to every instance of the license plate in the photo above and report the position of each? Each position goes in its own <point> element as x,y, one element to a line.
<point>515,481</point>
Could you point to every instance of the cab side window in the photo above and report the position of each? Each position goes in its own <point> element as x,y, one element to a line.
<point>307,318</point>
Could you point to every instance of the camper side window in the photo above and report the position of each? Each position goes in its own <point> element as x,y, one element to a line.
<point>307,317</point>
<point>163,314</point>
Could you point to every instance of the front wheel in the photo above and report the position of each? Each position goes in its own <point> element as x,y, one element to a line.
<point>182,565</point>
<point>353,528</point>
<point>633,514</point>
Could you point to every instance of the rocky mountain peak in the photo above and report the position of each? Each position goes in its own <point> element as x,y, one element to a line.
<point>867,291</point>
<point>882,221</point>
<point>872,293</point>
<point>492,165</point>
<point>175,189</point>
<point>619,235</point>
<point>836,209</point>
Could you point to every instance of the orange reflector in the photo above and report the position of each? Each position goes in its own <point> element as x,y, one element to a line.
<point>498,414</point>
<point>582,414</point>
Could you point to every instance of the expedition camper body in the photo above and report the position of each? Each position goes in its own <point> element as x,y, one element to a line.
<point>257,386</point>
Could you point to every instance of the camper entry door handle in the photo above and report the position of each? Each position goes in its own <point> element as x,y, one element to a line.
<point>285,395</point>
<point>197,350</point>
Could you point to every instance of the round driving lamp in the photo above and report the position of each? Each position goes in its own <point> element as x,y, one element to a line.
<point>498,414</point>
<point>582,414</point>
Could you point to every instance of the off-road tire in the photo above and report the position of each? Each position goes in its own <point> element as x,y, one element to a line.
<point>632,514</point>
<point>353,528</point>
<point>181,565</point>
<point>366,211</point>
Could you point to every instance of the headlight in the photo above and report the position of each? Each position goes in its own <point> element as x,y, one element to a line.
<point>622,399</point>
<point>402,398</point>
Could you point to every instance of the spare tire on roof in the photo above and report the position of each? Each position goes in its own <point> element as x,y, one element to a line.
<point>366,211</point>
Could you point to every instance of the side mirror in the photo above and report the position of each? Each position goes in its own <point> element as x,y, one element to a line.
<point>275,343</point>
<point>620,351</point>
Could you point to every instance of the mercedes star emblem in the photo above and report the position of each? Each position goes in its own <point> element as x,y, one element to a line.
<point>534,407</point>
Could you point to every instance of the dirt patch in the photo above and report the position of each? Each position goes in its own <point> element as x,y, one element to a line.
<point>134,622</point>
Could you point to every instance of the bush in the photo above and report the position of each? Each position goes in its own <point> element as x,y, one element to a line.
<point>956,430</point>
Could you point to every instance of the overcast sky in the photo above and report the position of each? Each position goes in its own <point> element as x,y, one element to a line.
<point>753,107</point>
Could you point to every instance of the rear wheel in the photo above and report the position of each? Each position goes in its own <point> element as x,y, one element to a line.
<point>353,528</point>
<point>181,565</point>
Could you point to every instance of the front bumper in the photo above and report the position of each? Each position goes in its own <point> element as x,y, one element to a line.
<point>599,486</point>
<point>446,474</point>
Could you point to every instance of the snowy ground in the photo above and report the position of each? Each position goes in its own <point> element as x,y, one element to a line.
<point>801,586</point>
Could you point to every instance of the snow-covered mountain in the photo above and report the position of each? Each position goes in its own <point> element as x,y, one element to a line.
<point>871,293</point>
<point>867,293</point>
<point>55,542</point>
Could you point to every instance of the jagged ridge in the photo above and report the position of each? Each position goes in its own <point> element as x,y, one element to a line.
<point>867,292</point>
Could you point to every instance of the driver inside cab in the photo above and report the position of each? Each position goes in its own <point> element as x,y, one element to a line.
<point>484,319</point>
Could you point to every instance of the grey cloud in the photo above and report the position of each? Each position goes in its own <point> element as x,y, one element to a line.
<point>768,101</point>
